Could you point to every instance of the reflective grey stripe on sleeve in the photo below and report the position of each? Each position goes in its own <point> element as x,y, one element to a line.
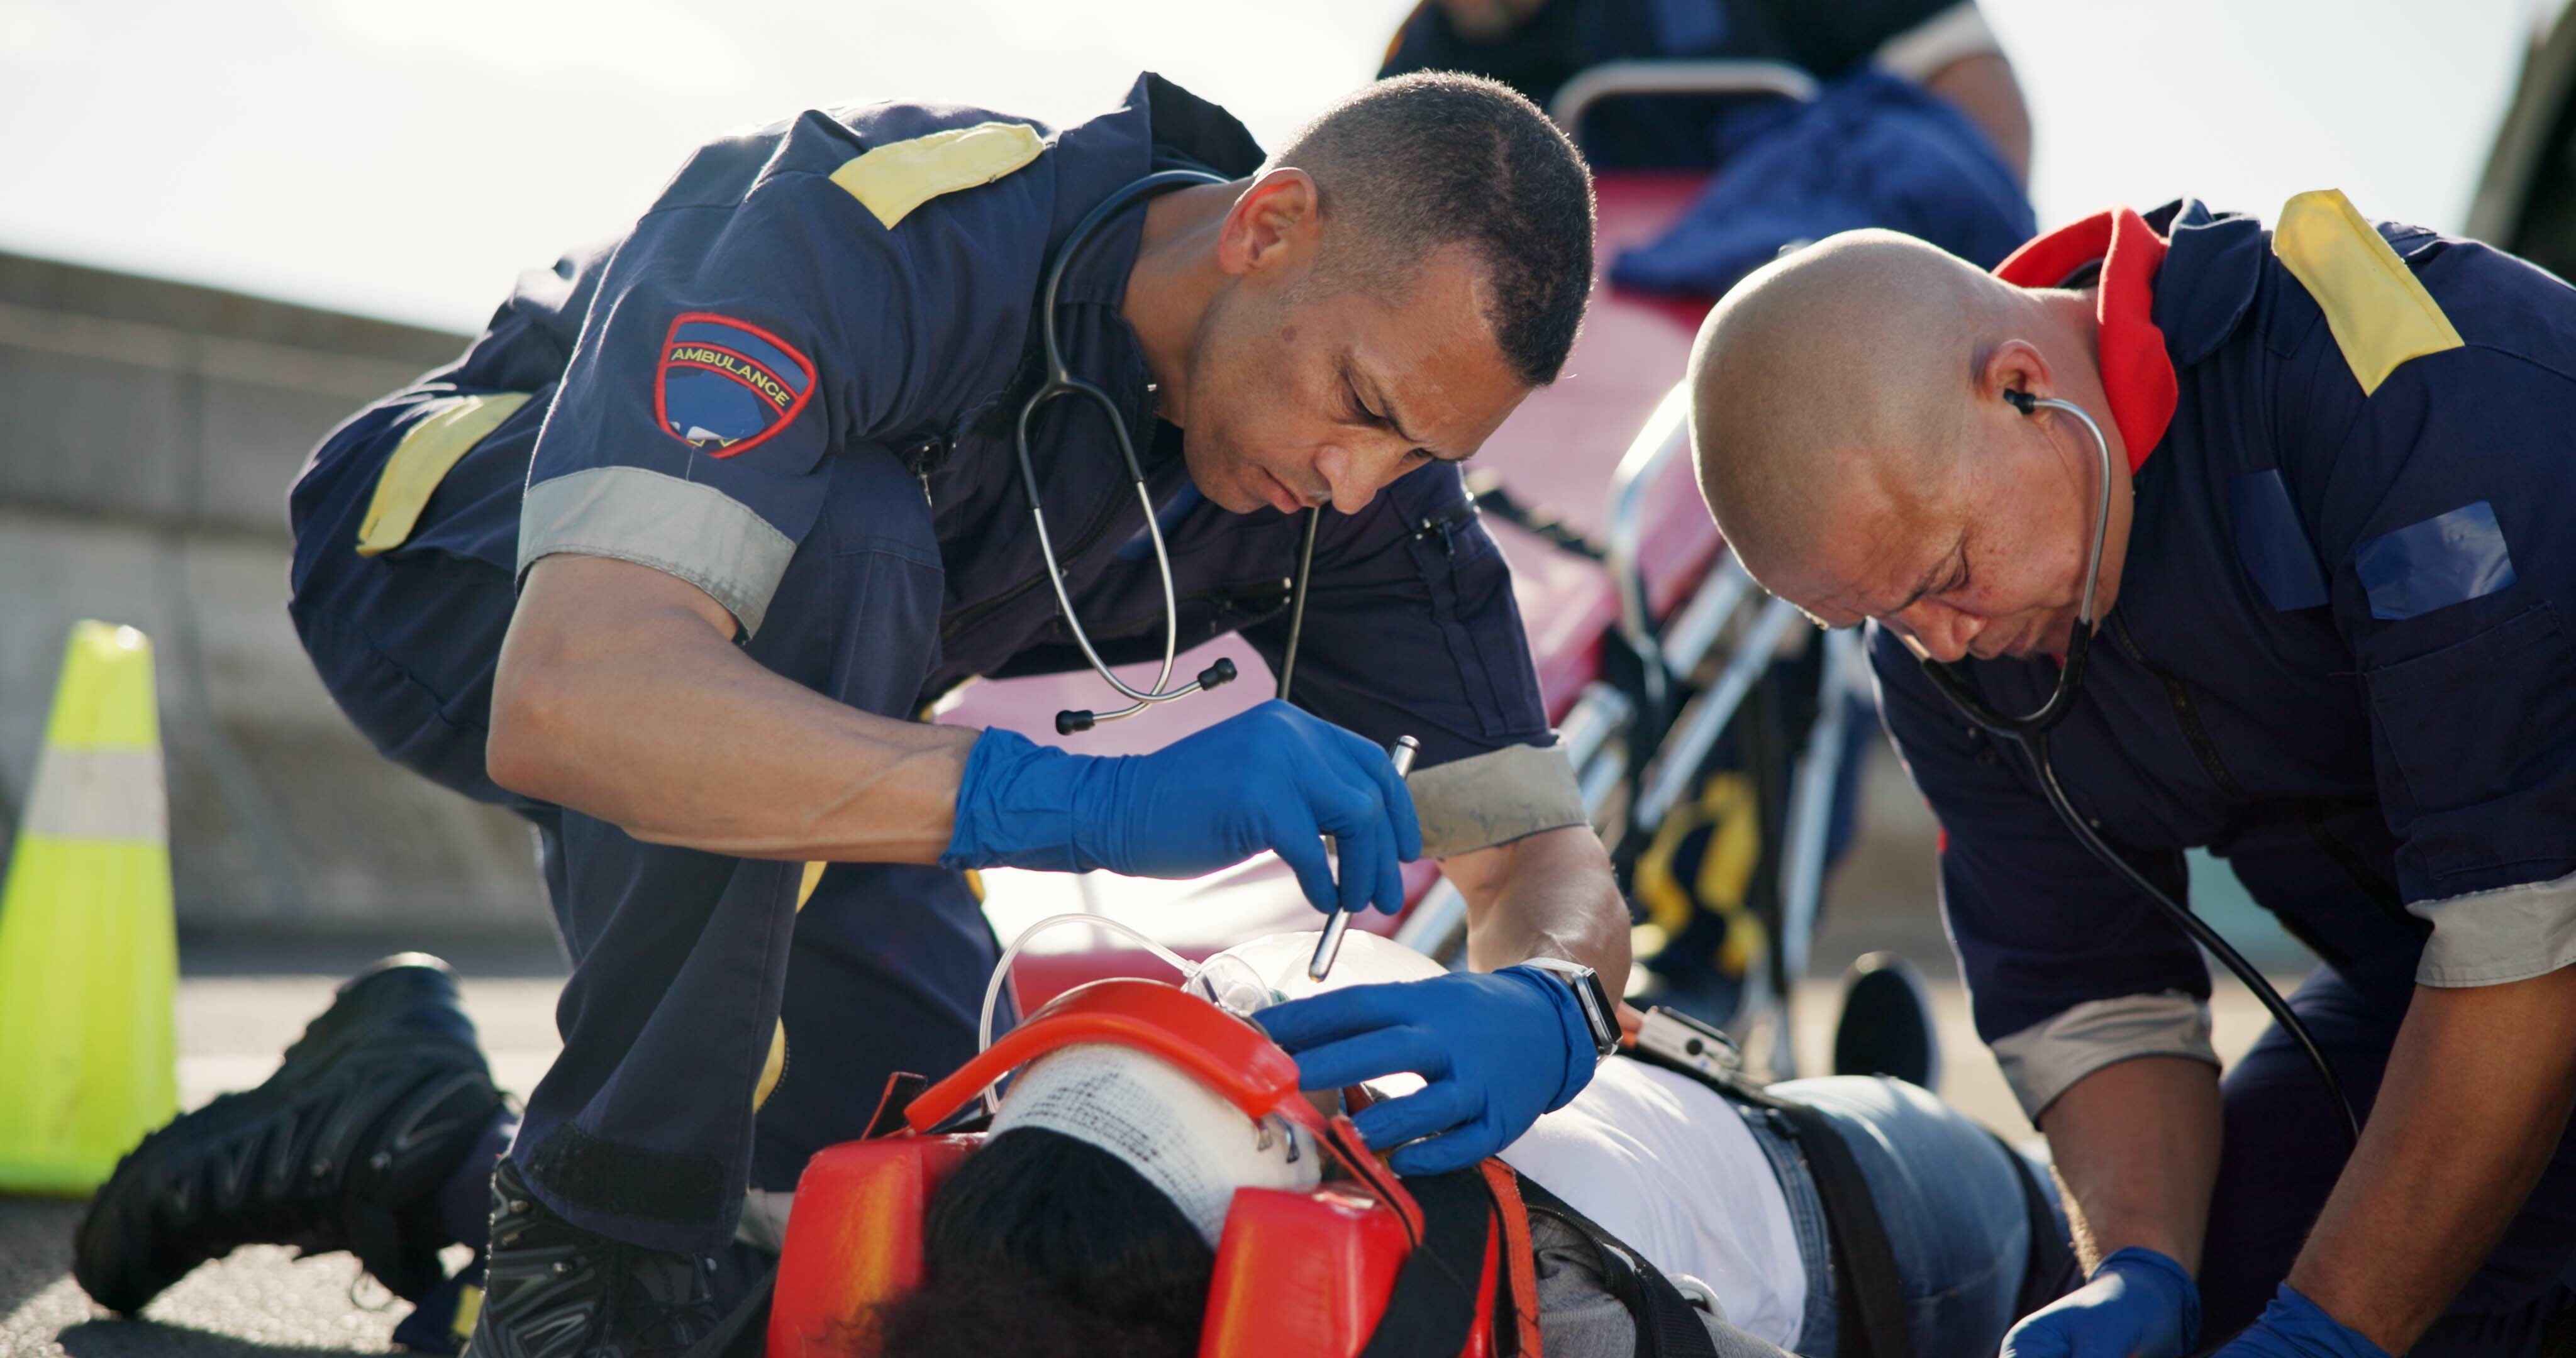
<point>2511,933</point>
<point>682,528</point>
<point>1921,52</point>
<point>2042,1060</point>
<point>1495,798</point>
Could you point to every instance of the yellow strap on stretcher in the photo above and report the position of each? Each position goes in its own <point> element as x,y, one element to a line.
<point>893,179</point>
<point>2380,314</point>
<point>427,452</point>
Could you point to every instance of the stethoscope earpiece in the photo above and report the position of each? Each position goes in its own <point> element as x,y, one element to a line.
<point>2022,401</point>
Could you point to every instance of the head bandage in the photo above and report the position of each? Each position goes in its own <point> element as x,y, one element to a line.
<point>1185,1139</point>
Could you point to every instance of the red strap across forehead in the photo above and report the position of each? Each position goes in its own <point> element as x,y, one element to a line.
<point>2137,372</point>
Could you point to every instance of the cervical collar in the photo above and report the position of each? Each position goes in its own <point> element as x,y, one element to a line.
<point>1182,1138</point>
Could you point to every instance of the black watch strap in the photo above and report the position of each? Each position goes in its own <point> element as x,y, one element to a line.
<point>1600,1009</point>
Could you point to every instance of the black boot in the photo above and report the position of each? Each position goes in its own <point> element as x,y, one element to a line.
<point>1886,1026</point>
<point>554,1290</point>
<point>344,1148</point>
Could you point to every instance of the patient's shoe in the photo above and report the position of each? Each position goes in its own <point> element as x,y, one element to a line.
<point>1886,1025</point>
<point>344,1148</point>
<point>554,1290</point>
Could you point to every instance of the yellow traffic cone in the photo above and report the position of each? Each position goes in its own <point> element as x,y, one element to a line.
<point>88,960</point>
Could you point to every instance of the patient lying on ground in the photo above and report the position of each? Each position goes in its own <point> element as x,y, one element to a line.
<point>1089,1222</point>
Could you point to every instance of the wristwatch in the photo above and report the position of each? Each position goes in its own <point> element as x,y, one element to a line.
<point>1600,1012</point>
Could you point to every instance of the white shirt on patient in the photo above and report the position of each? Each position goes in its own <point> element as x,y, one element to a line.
<point>1657,1159</point>
<point>1667,1165</point>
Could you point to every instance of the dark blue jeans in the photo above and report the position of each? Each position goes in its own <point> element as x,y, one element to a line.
<point>1948,1195</point>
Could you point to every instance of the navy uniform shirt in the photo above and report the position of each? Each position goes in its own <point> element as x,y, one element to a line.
<point>864,283</point>
<point>2343,657</point>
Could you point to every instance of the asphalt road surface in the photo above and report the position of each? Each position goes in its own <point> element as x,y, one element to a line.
<point>239,1006</point>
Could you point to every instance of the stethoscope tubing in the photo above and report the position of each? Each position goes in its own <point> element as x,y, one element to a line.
<point>1059,382</point>
<point>1297,599</point>
<point>2030,734</point>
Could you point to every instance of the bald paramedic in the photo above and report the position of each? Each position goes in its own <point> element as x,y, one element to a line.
<point>2336,649</point>
<point>671,558</point>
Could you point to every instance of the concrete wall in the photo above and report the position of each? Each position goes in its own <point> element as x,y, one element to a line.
<point>152,430</point>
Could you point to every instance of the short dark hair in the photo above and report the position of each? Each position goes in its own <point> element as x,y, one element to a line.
<point>1436,158</point>
<point>1041,1246</point>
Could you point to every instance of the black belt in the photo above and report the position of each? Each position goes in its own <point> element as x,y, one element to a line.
<point>1869,1295</point>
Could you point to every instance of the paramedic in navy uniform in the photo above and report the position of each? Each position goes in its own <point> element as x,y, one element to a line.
<point>671,558</point>
<point>2337,649</point>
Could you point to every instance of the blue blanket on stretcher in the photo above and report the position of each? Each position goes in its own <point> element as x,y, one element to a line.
<point>1871,150</point>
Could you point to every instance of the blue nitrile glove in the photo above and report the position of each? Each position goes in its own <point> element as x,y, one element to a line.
<point>2295,1327</point>
<point>2138,1304</point>
<point>1271,778</point>
<point>1497,1050</point>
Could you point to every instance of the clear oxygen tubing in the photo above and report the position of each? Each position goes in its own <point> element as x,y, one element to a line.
<point>1002,974</point>
<point>2030,733</point>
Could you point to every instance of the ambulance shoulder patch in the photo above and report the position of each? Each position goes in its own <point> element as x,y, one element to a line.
<point>2378,311</point>
<point>725,386</point>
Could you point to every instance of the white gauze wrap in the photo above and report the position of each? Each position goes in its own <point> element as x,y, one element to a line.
<point>1181,1136</point>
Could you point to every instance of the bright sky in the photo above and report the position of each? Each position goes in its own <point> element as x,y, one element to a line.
<point>409,159</point>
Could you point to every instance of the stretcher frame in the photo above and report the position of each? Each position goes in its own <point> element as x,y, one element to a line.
<point>1726,622</point>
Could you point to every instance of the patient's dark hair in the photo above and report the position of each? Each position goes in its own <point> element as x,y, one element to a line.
<point>1041,1246</point>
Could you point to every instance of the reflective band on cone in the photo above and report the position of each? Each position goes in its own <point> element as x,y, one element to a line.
<point>88,960</point>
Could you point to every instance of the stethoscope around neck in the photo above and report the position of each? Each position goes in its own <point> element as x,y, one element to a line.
<point>1059,382</point>
<point>2030,732</point>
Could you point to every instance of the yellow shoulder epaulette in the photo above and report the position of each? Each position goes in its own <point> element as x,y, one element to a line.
<point>893,179</point>
<point>428,451</point>
<point>2380,315</point>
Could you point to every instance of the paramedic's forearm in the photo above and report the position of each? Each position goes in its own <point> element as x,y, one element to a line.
<point>1488,20</point>
<point>1982,86</point>
<point>2136,1144</point>
<point>1549,894</point>
<point>2473,1105</point>
<point>620,694</point>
